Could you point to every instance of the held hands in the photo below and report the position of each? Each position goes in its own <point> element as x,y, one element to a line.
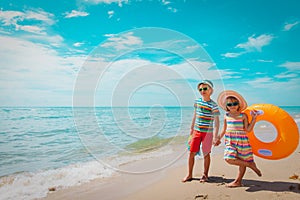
<point>217,141</point>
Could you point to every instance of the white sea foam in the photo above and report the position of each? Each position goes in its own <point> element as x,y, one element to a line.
<point>29,186</point>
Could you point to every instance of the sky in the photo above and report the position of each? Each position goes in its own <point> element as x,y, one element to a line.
<point>147,53</point>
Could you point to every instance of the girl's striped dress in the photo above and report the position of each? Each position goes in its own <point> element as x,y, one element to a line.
<point>237,144</point>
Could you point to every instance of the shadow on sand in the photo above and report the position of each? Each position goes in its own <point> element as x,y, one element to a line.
<point>257,185</point>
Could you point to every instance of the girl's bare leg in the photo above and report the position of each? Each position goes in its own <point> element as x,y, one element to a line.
<point>238,181</point>
<point>239,162</point>
<point>252,166</point>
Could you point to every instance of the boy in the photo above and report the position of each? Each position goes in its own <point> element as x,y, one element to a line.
<point>204,129</point>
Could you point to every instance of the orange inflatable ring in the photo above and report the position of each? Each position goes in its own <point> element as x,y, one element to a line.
<point>287,132</point>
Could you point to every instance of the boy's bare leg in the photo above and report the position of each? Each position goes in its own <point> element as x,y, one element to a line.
<point>190,167</point>
<point>204,177</point>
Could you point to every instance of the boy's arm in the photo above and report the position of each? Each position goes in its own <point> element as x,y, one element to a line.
<point>217,126</point>
<point>193,122</point>
<point>216,130</point>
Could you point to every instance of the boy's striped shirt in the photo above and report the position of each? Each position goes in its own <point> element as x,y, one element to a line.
<point>205,113</point>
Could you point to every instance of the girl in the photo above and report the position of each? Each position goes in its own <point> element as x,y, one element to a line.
<point>237,147</point>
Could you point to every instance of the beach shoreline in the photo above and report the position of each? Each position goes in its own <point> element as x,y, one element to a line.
<point>128,179</point>
<point>279,181</point>
<point>62,165</point>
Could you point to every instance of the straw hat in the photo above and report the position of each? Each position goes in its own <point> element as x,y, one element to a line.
<point>230,93</point>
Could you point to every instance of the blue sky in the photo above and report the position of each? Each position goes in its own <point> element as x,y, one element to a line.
<point>106,52</point>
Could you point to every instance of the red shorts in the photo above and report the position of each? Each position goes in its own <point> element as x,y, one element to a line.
<point>201,138</point>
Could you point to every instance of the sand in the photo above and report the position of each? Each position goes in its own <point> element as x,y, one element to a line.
<point>279,181</point>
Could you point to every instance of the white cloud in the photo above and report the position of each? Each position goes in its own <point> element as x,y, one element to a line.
<point>119,2</point>
<point>265,82</point>
<point>75,13</point>
<point>165,2</point>
<point>266,90</point>
<point>174,10</point>
<point>30,70</point>
<point>253,44</point>
<point>110,13</point>
<point>286,75</point>
<point>120,80</point>
<point>52,40</point>
<point>293,66</point>
<point>197,70</point>
<point>289,26</point>
<point>268,83</point>
<point>168,5</point>
<point>10,17</point>
<point>265,61</point>
<point>232,55</point>
<point>192,48</point>
<point>256,43</point>
<point>121,42</point>
<point>78,44</point>
<point>31,29</point>
<point>40,15</point>
<point>36,21</point>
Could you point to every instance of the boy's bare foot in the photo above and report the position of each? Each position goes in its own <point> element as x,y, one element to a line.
<point>252,166</point>
<point>187,179</point>
<point>203,179</point>
<point>233,184</point>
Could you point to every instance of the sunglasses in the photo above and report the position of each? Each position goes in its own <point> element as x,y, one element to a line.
<point>204,89</point>
<point>232,104</point>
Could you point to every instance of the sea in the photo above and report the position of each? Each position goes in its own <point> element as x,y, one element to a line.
<point>58,147</point>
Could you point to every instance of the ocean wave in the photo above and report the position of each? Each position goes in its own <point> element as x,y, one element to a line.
<point>29,185</point>
<point>34,185</point>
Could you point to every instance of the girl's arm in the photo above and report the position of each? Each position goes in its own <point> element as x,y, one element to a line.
<point>223,129</point>
<point>249,126</point>
<point>222,133</point>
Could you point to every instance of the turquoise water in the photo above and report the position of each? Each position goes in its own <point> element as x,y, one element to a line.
<point>43,138</point>
<point>46,147</point>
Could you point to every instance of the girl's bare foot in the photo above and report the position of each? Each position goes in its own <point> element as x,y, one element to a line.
<point>252,166</point>
<point>234,184</point>
<point>187,179</point>
<point>203,179</point>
